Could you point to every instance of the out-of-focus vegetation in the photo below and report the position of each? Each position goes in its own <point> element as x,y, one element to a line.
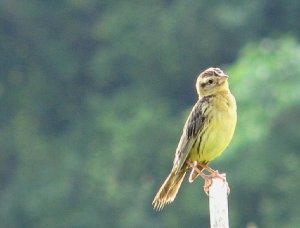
<point>94,95</point>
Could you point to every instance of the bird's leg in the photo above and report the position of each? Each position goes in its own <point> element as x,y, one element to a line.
<point>194,166</point>
<point>214,173</point>
<point>207,178</point>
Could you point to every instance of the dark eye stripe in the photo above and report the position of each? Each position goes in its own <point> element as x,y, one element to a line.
<point>210,81</point>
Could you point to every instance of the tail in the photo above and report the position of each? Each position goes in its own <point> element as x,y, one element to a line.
<point>167,192</point>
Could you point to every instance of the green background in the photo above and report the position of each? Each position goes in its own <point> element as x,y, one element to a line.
<point>94,95</point>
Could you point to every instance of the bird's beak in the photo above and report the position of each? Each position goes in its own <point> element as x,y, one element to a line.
<point>223,78</point>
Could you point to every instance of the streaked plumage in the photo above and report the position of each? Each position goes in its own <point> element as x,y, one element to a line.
<point>206,133</point>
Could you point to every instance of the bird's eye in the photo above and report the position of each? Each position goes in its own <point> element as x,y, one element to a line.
<point>210,81</point>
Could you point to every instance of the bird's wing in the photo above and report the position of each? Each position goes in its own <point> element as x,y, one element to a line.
<point>191,130</point>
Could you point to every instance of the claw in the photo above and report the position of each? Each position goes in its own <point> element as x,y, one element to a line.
<point>208,181</point>
<point>207,178</point>
<point>207,184</point>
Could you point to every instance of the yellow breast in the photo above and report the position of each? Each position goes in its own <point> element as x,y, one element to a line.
<point>219,129</point>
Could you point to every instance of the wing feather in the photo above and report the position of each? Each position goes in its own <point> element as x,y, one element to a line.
<point>191,131</point>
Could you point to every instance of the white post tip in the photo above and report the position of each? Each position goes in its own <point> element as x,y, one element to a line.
<point>218,204</point>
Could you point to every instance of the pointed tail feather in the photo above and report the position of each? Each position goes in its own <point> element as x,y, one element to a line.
<point>168,191</point>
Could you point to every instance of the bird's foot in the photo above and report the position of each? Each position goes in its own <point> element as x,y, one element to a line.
<point>208,181</point>
<point>215,173</point>
<point>207,177</point>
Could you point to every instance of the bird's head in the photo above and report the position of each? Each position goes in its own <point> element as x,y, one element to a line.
<point>211,81</point>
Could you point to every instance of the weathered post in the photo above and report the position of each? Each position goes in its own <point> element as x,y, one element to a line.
<point>218,203</point>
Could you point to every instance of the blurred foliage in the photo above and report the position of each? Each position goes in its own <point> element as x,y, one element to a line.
<point>266,140</point>
<point>94,95</point>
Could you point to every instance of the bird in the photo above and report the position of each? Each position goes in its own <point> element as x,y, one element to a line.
<point>208,130</point>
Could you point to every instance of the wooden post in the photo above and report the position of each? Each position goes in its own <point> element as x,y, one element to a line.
<point>218,204</point>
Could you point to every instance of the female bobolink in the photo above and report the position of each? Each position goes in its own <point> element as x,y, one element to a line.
<point>206,133</point>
